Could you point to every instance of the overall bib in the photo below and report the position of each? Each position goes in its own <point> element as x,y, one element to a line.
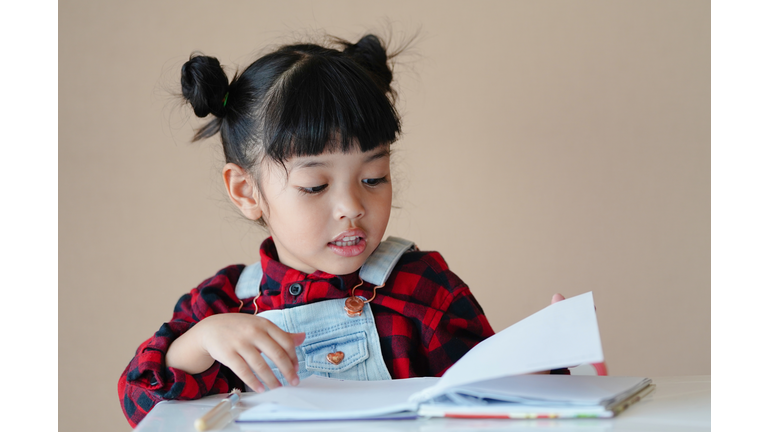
<point>337,345</point>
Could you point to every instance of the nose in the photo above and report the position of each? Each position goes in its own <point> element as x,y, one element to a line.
<point>349,205</point>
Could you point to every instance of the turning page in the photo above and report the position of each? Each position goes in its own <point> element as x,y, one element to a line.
<point>563,334</point>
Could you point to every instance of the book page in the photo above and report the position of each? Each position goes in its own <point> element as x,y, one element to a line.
<point>556,390</point>
<point>563,334</point>
<point>318,398</point>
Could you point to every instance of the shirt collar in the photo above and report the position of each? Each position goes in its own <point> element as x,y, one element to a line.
<point>278,279</point>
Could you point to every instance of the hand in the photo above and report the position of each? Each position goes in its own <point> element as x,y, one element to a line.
<point>237,341</point>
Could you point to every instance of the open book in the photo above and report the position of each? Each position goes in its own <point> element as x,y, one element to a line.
<point>488,381</point>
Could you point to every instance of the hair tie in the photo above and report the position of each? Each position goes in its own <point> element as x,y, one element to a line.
<point>224,101</point>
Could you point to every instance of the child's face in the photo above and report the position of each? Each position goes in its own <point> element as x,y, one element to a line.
<point>330,212</point>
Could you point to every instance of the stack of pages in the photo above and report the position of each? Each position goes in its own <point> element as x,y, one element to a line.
<point>488,382</point>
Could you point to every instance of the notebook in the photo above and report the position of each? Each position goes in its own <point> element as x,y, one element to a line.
<point>488,381</point>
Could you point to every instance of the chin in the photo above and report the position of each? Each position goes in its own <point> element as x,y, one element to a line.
<point>347,266</point>
<point>345,269</point>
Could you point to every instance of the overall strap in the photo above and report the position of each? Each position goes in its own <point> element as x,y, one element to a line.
<point>380,264</point>
<point>249,283</point>
<point>375,270</point>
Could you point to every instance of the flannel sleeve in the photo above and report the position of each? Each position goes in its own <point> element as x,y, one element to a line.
<point>147,381</point>
<point>426,318</point>
<point>458,329</point>
<point>459,323</point>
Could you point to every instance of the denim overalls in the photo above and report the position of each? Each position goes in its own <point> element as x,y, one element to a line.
<point>336,345</point>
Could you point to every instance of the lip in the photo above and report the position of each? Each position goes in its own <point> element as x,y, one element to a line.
<point>352,250</point>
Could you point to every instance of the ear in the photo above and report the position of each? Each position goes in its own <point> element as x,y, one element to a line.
<point>242,191</point>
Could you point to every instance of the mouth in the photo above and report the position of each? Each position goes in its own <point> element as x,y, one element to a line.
<point>349,243</point>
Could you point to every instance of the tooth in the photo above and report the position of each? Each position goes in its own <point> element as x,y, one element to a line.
<point>347,241</point>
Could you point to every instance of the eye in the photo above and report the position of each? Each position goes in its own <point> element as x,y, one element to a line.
<point>374,181</point>
<point>313,190</point>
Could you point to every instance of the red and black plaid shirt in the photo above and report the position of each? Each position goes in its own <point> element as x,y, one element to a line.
<point>425,315</point>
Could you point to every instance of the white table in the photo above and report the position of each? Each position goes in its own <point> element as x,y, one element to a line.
<point>677,404</point>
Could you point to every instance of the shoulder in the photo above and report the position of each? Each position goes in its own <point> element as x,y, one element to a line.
<point>428,264</point>
<point>425,275</point>
<point>215,294</point>
<point>226,277</point>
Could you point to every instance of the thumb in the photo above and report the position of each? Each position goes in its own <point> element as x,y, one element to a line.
<point>298,338</point>
<point>557,297</point>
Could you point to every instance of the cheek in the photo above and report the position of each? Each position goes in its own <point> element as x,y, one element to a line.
<point>298,220</point>
<point>383,205</point>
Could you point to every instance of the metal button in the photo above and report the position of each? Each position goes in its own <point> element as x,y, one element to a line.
<point>295,289</point>
<point>335,358</point>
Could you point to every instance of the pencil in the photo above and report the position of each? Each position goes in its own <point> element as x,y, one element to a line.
<point>217,414</point>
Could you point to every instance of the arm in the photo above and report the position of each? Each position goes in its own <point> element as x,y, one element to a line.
<point>237,341</point>
<point>147,379</point>
<point>427,319</point>
<point>459,322</point>
<point>465,325</point>
<point>462,326</point>
<point>206,348</point>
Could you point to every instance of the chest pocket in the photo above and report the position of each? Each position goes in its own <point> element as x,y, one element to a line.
<point>340,357</point>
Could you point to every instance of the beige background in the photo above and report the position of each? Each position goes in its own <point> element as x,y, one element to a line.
<point>547,147</point>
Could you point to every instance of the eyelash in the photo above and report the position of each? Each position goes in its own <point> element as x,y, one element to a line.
<point>314,190</point>
<point>375,181</point>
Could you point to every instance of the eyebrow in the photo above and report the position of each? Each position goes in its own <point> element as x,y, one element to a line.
<point>309,163</point>
<point>378,155</point>
<point>313,163</point>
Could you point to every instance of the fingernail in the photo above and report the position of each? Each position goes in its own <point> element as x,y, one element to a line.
<point>260,389</point>
<point>295,381</point>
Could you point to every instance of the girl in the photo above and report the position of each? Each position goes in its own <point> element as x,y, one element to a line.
<point>306,132</point>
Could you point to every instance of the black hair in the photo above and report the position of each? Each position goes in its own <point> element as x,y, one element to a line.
<point>299,100</point>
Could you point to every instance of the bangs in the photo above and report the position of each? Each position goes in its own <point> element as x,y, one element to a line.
<point>327,104</point>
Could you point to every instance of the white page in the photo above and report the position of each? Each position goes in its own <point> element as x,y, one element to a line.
<point>556,390</point>
<point>318,398</point>
<point>561,335</point>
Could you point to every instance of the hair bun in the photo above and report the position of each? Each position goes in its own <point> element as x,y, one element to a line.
<point>369,53</point>
<point>204,85</point>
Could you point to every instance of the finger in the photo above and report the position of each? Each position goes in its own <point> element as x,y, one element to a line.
<point>298,338</point>
<point>240,367</point>
<point>283,353</point>
<point>557,297</point>
<point>288,342</point>
<point>261,368</point>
